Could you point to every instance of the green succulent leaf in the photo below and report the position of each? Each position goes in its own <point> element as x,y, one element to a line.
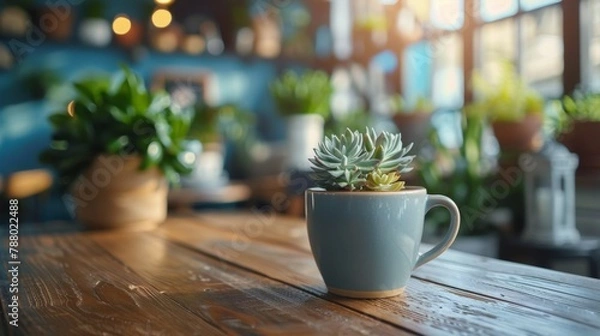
<point>378,181</point>
<point>359,161</point>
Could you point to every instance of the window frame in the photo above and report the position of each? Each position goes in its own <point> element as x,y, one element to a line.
<point>572,60</point>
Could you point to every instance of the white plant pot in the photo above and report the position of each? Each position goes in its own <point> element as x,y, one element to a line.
<point>209,170</point>
<point>209,166</point>
<point>304,132</point>
<point>95,32</point>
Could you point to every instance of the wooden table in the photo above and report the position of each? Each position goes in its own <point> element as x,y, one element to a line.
<point>227,194</point>
<point>253,274</point>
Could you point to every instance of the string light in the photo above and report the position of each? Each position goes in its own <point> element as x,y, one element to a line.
<point>161,18</point>
<point>121,25</point>
<point>163,2</point>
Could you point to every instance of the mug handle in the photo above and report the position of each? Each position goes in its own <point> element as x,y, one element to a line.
<point>443,201</point>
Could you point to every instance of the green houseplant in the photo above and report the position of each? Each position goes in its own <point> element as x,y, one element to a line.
<point>413,122</point>
<point>115,148</point>
<point>215,127</point>
<point>579,122</point>
<point>514,109</point>
<point>355,120</point>
<point>306,93</point>
<point>364,224</point>
<point>459,173</point>
<point>482,191</point>
<point>303,99</point>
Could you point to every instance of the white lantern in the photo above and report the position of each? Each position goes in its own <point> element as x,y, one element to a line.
<point>550,195</point>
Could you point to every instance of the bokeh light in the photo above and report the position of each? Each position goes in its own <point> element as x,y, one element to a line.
<point>161,18</point>
<point>71,108</point>
<point>121,25</point>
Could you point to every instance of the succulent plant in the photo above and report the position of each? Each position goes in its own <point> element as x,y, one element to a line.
<point>379,181</point>
<point>361,161</point>
<point>307,93</point>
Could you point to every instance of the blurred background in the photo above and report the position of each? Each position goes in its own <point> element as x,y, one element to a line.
<point>473,83</point>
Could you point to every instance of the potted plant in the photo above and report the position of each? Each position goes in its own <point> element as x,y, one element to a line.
<point>213,127</point>
<point>354,120</point>
<point>579,123</point>
<point>56,21</point>
<point>304,101</point>
<point>464,175</point>
<point>115,149</point>
<point>514,110</point>
<point>413,123</point>
<point>94,29</point>
<point>364,225</point>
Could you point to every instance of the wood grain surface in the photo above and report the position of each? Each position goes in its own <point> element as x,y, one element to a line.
<point>252,273</point>
<point>71,286</point>
<point>425,307</point>
<point>574,297</point>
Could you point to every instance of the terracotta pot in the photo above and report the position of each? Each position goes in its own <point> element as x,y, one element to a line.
<point>57,22</point>
<point>519,136</point>
<point>114,194</point>
<point>133,37</point>
<point>579,140</point>
<point>414,127</point>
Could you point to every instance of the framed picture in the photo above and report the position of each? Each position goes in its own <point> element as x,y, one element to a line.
<point>186,88</point>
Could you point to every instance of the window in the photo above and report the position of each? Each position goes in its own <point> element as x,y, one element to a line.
<point>497,42</point>
<point>542,50</point>
<point>341,28</point>
<point>528,5</point>
<point>447,14</point>
<point>590,43</point>
<point>531,37</point>
<point>430,38</point>
<point>416,68</point>
<point>438,60</point>
<point>491,10</point>
<point>448,79</point>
